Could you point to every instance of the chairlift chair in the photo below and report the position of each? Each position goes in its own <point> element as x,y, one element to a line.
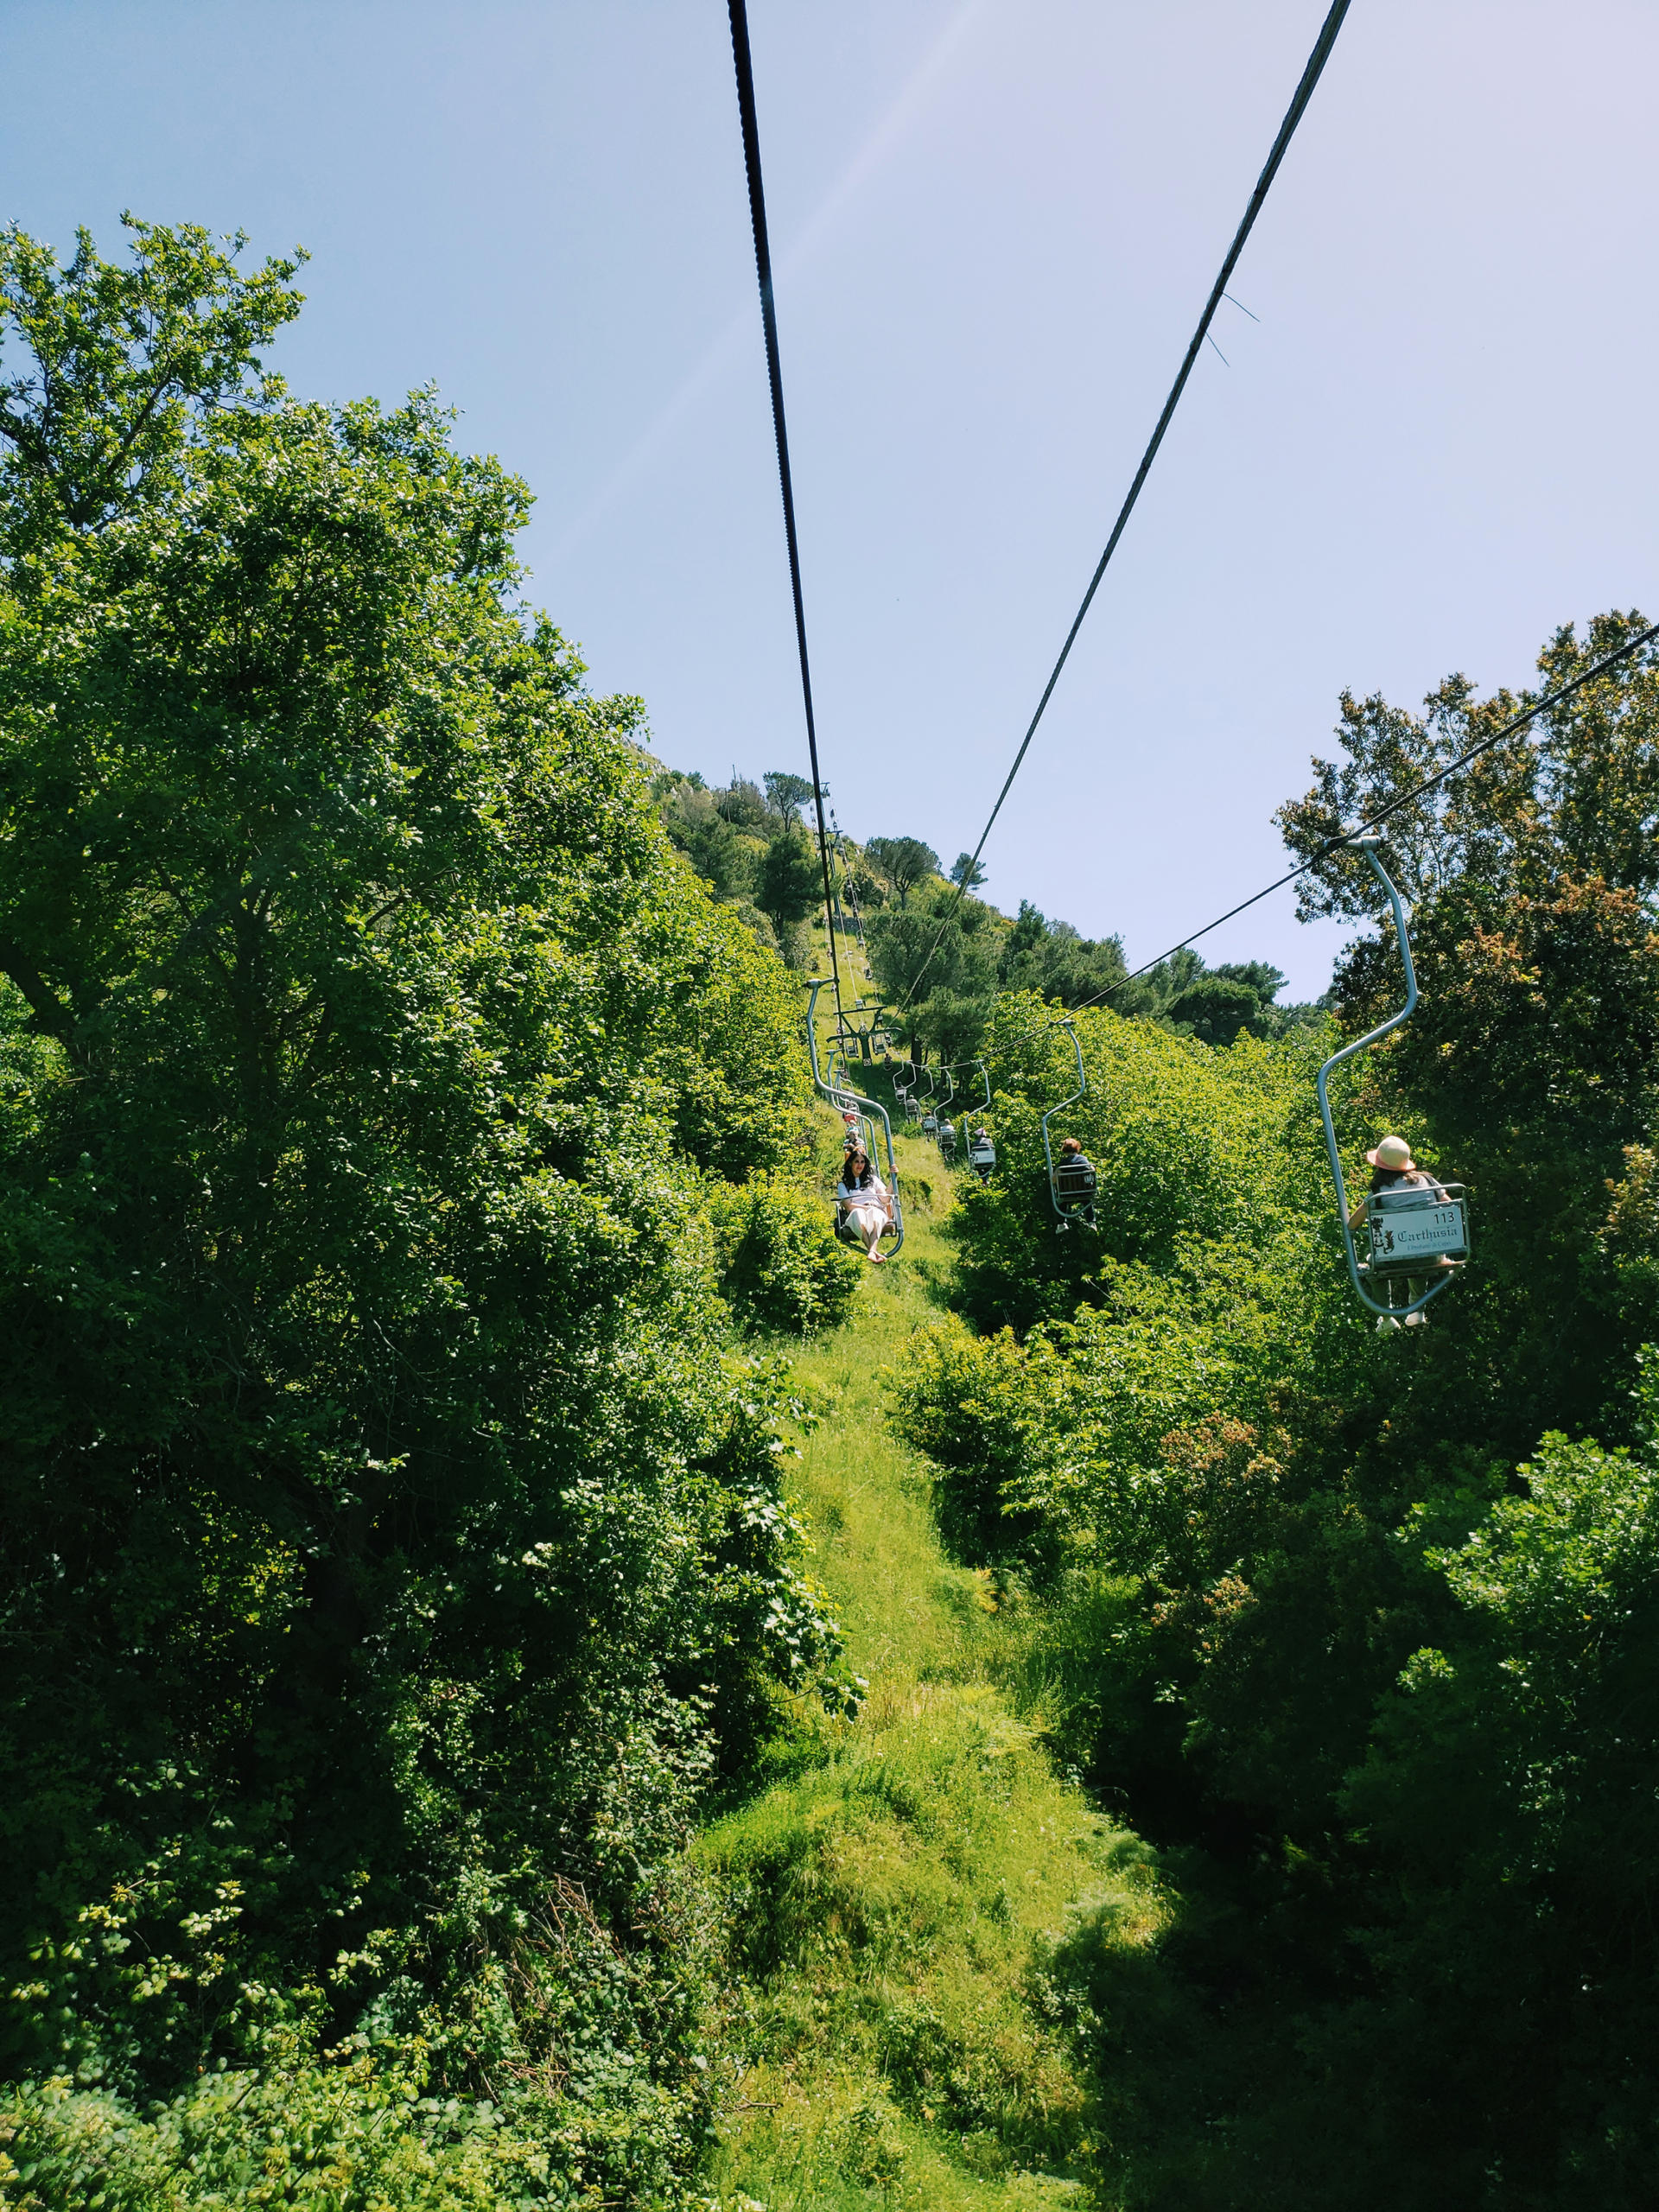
<point>981,1148</point>
<point>871,1112</point>
<point>1409,1231</point>
<point>1071,1183</point>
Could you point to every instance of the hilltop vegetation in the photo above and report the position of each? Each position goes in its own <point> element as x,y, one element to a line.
<point>933,948</point>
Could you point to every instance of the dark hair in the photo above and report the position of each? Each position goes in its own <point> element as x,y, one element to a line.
<point>860,1179</point>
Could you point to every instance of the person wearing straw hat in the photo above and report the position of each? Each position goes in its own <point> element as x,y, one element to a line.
<point>1393,1168</point>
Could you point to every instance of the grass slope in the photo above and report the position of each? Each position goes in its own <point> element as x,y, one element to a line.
<point>897,1895</point>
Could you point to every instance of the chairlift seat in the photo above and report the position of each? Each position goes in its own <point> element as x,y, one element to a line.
<point>1075,1182</point>
<point>983,1155</point>
<point>1416,1228</point>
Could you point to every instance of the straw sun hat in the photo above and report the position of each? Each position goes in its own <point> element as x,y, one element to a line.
<point>1393,1152</point>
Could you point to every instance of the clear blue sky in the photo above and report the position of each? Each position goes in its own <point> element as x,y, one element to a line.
<point>995,224</point>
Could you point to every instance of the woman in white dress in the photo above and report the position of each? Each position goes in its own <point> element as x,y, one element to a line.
<point>864,1200</point>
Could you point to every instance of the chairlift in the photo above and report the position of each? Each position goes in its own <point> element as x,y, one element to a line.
<point>1410,1231</point>
<point>902,1089</point>
<point>981,1105</point>
<point>930,1119</point>
<point>947,1129</point>
<point>1071,1183</point>
<point>870,1111</point>
<point>875,1038</point>
<point>981,1149</point>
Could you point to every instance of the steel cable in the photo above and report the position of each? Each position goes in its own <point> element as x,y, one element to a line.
<point>1293,114</point>
<point>744,68</point>
<point>1359,829</point>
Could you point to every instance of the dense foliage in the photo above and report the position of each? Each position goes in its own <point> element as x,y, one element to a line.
<point>401,1148</point>
<point>394,1538</point>
<point>1360,1628</point>
<point>781,1265</point>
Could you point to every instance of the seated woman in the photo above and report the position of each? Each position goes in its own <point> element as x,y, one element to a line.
<point>864,1200</point>
<point>1393,1168</point>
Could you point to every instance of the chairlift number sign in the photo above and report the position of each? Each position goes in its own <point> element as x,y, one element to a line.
<point>1422,1232</point>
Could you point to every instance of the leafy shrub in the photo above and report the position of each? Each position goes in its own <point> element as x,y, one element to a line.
<point>781,1264</point>
<point>360,2128</point>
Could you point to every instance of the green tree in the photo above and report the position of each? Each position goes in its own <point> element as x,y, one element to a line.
<point>1535,873</point>
<point>786,794</point>
<point>789,883</point>
<point>967,873</point>
<point>709,842</point>
<point>950,956</point>
<point>391,1539</point>
<point>904,861</point>
<point>741,804</point>
<point>122,368</point>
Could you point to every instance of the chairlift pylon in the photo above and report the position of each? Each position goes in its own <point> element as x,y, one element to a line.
<point>1411,1232</point>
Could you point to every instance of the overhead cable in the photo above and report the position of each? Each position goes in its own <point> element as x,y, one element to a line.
<point>775,377</point>
<point>1403,799</point>
<point>1293,114</point>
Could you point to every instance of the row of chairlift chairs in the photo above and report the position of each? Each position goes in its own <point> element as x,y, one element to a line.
<point>1416,1233</point>
<point>1072,1180</point>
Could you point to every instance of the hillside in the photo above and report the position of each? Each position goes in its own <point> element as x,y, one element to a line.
<point>926,942</point>
<point>901,1896</point>
<point>531,1675</point>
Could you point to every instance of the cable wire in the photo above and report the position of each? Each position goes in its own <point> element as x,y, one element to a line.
<point>1403,799</point>
<point>744,68</point>
<point>1293,114</point>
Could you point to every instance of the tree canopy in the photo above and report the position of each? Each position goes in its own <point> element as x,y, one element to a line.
<point>904,861</point>
<point>395,1544</point>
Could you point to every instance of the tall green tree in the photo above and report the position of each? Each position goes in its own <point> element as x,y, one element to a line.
<point>786,794</point>
<point>392,1545</point>
<point>904,861</point>
<point>789,884</point>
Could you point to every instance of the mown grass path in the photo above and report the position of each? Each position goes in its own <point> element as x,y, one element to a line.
<point>897,1893</point>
